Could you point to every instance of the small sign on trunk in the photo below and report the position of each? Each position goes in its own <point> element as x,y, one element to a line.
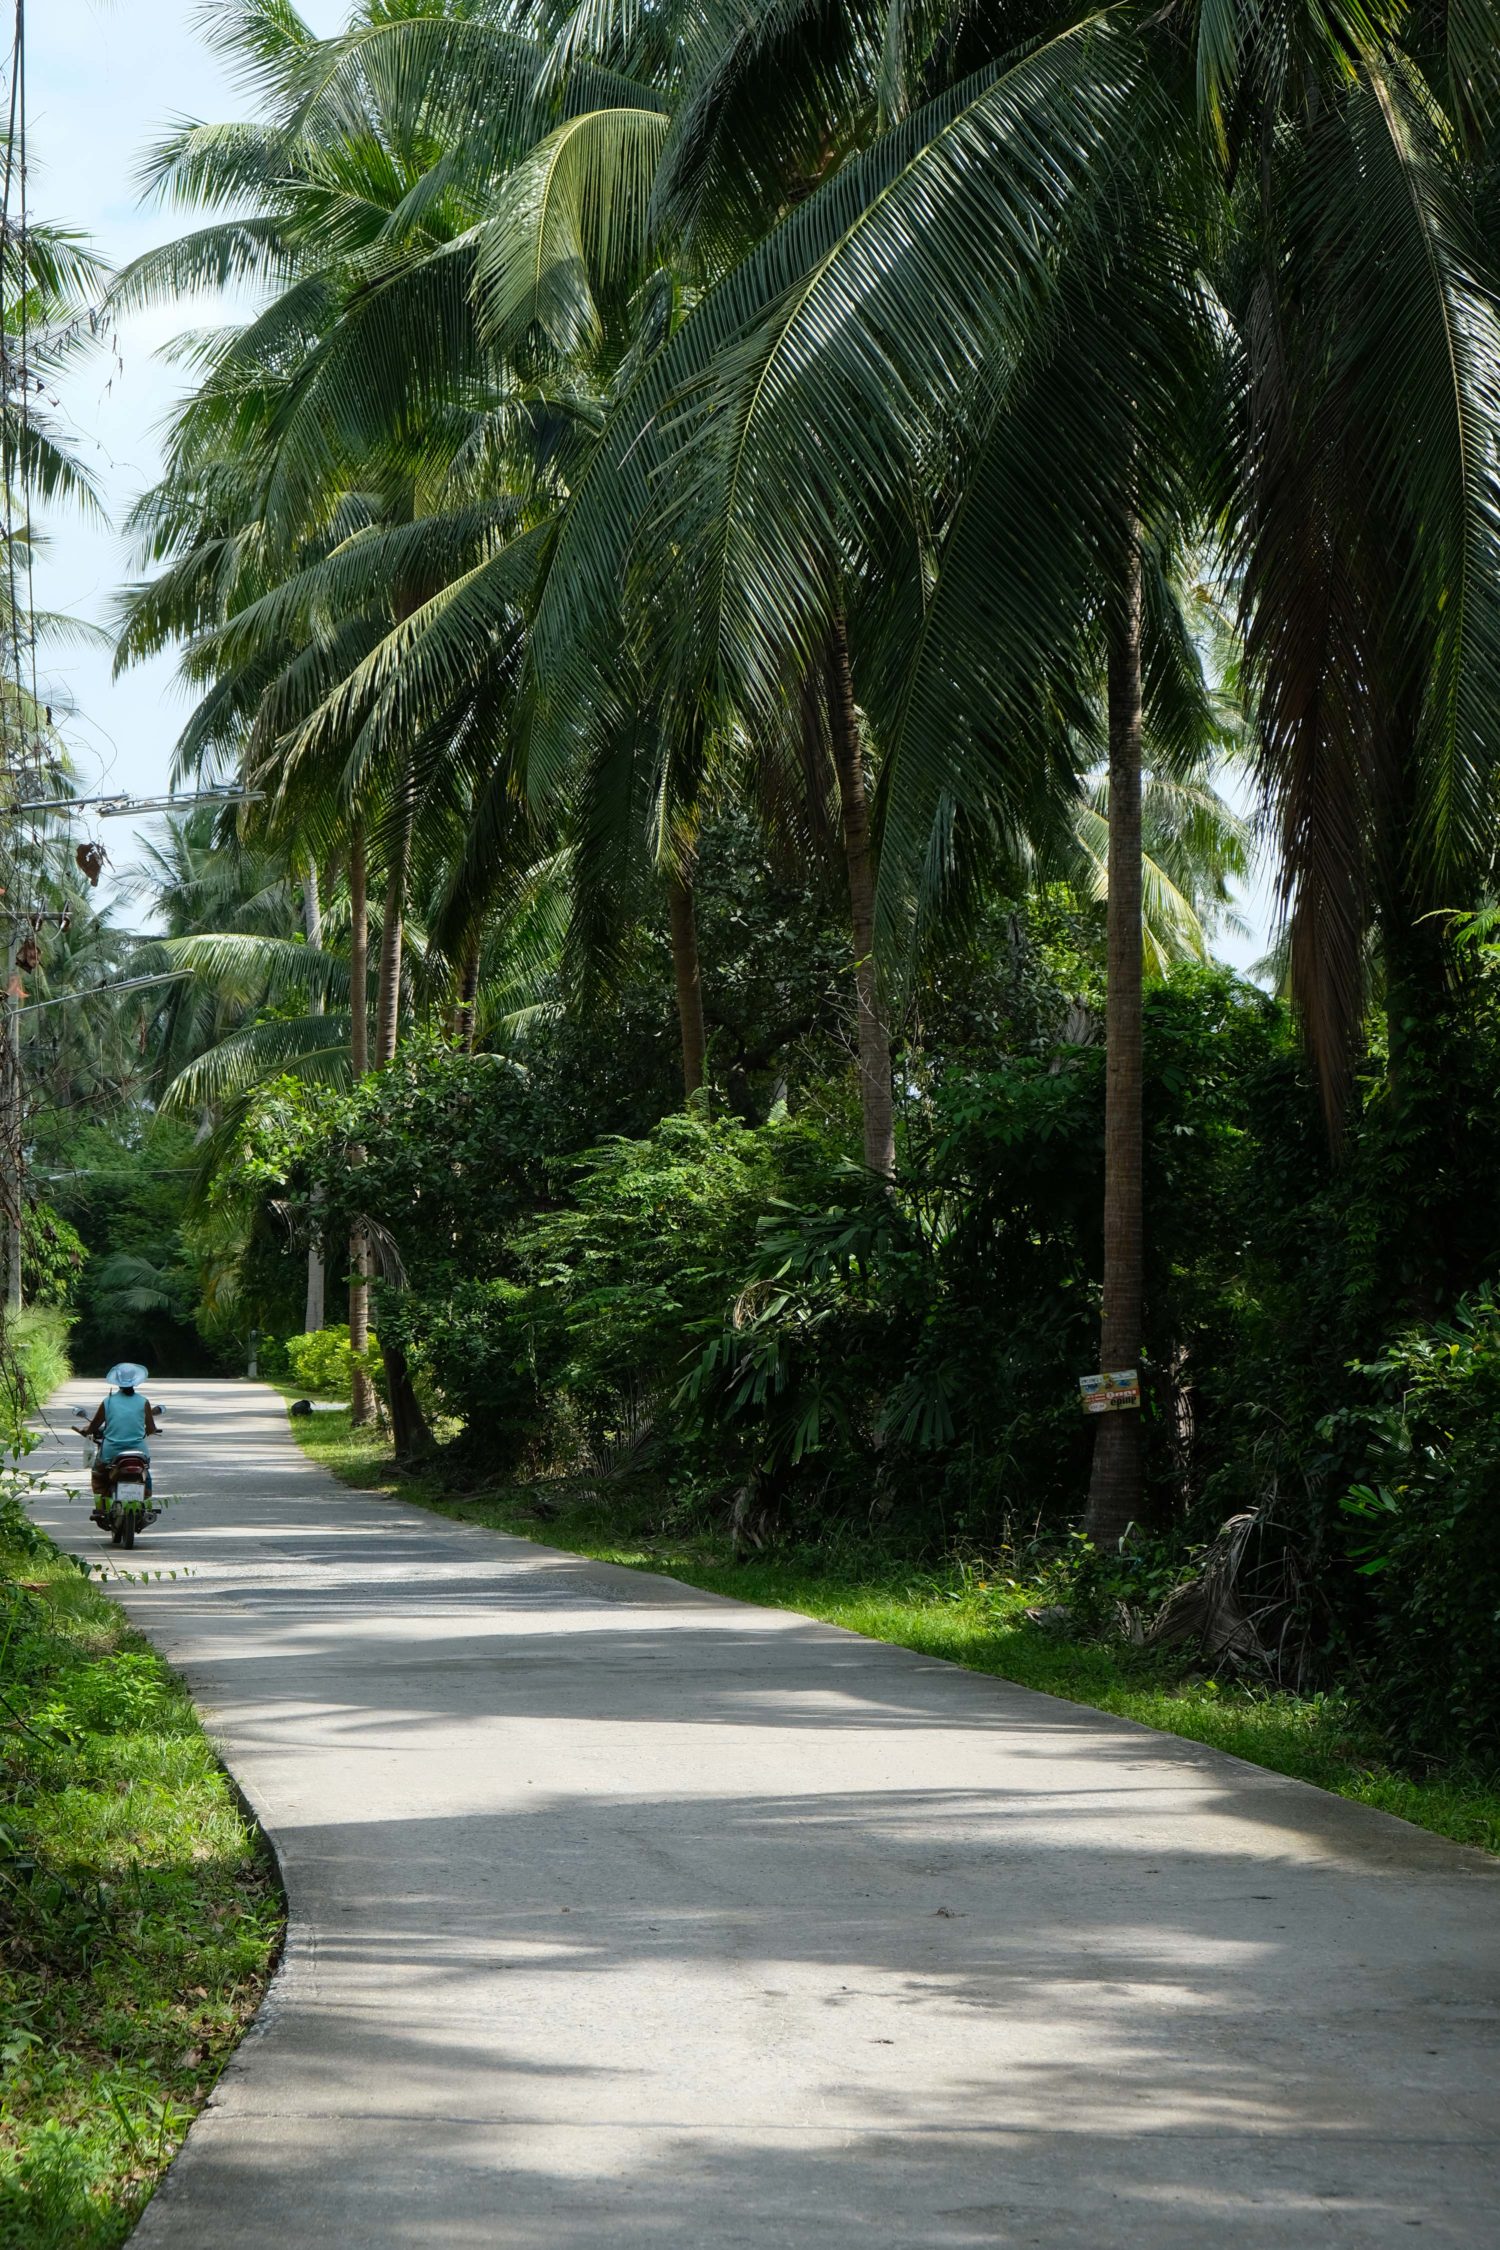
<point>1108,1394</point>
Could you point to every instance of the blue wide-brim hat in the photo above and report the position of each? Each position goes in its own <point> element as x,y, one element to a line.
<point>128,1376</point>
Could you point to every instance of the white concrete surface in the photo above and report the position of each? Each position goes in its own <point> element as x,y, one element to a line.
<point>622,1915</point>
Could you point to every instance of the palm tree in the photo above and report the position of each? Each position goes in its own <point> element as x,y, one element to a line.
<point>1368,530</point>
<point>48,279</point>
<point>899,458</point>
<point>816,644</point>
<point>986,338</point>
<point>642,394</point>
<point>52,279</point>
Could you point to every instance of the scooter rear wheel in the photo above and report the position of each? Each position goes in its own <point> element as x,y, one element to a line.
<point>127,1531</point>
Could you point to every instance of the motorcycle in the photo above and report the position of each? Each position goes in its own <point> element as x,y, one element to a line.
<point>121,1506</point>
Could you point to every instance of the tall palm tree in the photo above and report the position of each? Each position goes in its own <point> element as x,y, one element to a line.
<point>932,428</point>
<point>859,376</point>
<point>49,278</point>
<point>987,336</point>
<point>52,280</point>
<point>1367,514</point>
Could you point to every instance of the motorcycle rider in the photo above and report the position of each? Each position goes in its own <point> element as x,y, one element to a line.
<point>124,1420</point>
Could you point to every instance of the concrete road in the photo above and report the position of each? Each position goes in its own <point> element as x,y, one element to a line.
<point>625,1916</point>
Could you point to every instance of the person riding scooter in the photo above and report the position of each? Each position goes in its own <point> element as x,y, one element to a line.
<point>122,1424</point>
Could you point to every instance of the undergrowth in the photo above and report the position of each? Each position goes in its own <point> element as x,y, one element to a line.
<point>38,1338</point>
<point>140,1912</point>
<point>961,1611</point>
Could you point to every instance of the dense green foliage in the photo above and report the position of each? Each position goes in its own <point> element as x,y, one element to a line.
<point>53,1255</point>
<point>138,1286</point>
<point>737,1292</point>
<point>37,1344</point>
<point>321,1360</point>
<point>1423,1527</point>
<point>731,1308</point>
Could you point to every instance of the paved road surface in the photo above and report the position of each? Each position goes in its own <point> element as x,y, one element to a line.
<point>624,1916</point>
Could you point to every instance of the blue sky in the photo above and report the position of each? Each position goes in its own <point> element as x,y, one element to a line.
<point>104,77</point>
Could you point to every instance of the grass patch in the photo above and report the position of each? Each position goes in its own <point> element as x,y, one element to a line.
<point>952,1612</point>
<point>140,1910</point>
<point>38,1339</point>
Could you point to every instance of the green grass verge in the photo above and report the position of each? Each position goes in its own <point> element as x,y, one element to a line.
<point>39,1339</point>
<point>140,1912</point>
<point>954,1613</point>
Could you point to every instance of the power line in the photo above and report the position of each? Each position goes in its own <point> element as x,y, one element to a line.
<point>118,804</point>
<point>92,991</point>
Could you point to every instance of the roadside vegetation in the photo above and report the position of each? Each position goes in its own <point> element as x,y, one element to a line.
<point>140,1913</point>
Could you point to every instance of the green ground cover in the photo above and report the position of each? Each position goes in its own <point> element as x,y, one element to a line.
<point>961,1611</point>
<point>140,1912</point>
<point>39,1340</point>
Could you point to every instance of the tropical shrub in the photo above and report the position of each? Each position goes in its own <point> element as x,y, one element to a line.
<point>53,1255</point>
<point>141,1293</point>
<point>320,1360</point>
<point>590,1336</point>
<point>37,1358</point>
<point>1424,1529</point>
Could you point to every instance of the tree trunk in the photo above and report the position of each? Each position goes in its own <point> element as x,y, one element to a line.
<point>464,1016</point>
<point>312,911</point>
<point>684,928</point>
<point>362,1395</point>
<point>359,955</point>
<point>875,1101</point>
<point>388,1001</point>
<point>314,1311</point>
<point>409,1431</point>
<point>1115,1483</point>
<point>1429,1250</point>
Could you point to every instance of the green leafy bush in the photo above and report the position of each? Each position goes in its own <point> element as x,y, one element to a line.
<point>144,1285</point>
<point>38,1339</point>
<point>321,1360</point>
<point>53,1256</point>
<point>586,1343</point>
<point>1424,1530</point>
<point>739,1296</point>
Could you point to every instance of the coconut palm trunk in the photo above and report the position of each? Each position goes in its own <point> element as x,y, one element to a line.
<point>1115,1483</point>
<point>388,997</point>
<point>683,918</point>
<point>362,1396</point>
<point>359,954</point>
<point>465,1015</point>
<point>314,1311</point>
<point>877,1110</point>
<point>409,1431</point>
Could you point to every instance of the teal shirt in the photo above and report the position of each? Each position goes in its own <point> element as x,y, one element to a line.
<point>124,1425</point>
